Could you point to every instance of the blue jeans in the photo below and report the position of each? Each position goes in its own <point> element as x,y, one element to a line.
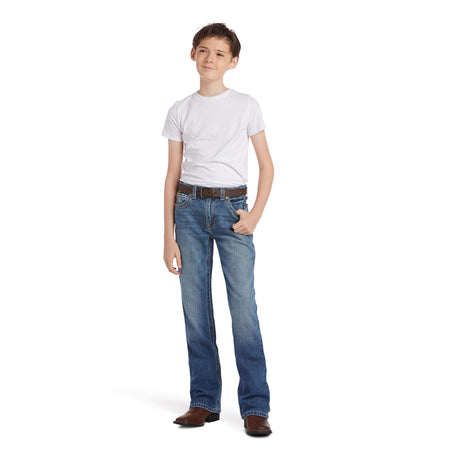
<point>200,221</point>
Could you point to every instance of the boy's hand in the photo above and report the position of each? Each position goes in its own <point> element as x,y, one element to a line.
<point>171,251</point>
<point>247,223</point>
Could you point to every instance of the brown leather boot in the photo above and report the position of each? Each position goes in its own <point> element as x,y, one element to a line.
<point>257,426</point>
<point>196,416</point>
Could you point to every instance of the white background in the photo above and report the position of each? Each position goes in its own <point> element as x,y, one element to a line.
<point>357,266</point>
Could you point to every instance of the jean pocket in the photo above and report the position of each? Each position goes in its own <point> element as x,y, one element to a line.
<point>236,202</point>
<point>182,200</point>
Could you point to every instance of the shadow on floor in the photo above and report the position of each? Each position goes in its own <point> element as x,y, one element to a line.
<point>177,406</point>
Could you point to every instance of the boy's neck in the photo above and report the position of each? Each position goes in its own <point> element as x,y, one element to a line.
<point>211,88</point>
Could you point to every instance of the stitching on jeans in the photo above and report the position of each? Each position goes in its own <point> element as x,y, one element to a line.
<point>205,406</point>
<point>187,202</point>
<point>232,209</point>
<point>210,308</point>
<point>212,214</point>
<point>253,412</point>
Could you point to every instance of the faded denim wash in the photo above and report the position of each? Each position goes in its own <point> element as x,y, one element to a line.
<point>200,222</point>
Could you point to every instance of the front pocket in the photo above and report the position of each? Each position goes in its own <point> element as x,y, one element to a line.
<point>234,204</point>
<point>182,200</point>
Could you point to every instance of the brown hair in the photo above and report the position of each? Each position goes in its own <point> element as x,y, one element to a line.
<point>218,29</point>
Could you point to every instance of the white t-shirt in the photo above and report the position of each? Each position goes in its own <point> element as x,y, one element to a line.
<point>215,131</point>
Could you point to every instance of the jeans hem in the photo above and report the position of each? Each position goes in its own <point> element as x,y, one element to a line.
<point>254,412</point>
<point>205,406</point>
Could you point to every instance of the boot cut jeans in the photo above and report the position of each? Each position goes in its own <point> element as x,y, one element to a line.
<point>199,222</point>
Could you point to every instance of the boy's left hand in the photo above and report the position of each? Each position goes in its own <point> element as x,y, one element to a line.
<point>247,223</point>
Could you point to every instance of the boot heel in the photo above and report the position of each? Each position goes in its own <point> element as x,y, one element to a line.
<point>212,417</point>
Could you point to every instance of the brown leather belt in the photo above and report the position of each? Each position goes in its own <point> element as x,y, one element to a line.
<point>207,192</point>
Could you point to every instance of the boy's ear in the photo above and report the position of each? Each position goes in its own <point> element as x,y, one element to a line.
<point>193,54</point>
<point>234,62</point>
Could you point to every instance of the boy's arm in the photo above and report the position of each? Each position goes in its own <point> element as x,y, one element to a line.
<point>171,249</point>
<point>249,220</point>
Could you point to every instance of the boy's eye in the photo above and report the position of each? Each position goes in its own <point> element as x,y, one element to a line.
<point>204,51</point>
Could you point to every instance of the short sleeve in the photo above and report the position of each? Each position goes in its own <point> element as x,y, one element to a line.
<point>171,128</point>
<point>256,121</point>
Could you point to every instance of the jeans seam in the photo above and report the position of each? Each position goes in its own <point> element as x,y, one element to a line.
<point>255,412</point>
<point>212,331</point>
<point>231,209</point>
<point>212,210</point>
<point>187,202</point>
<point>205,406</point>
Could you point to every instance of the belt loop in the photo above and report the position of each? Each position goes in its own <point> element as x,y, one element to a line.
<point>194,192</point>
<point>222,194</point>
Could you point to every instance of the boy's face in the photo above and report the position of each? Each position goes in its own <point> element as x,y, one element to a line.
<point>213,58</point>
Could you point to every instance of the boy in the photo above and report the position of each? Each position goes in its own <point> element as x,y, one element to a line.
<point>205,198</point>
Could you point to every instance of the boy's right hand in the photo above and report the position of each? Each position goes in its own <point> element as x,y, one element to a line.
<point>171,252</point>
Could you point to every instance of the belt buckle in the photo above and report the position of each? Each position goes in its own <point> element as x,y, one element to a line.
<point>207,192</point>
